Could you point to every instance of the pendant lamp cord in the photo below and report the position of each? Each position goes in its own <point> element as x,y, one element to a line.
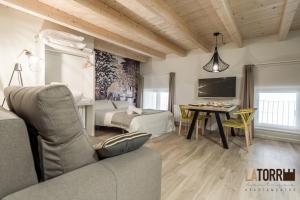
<point>217,38</point>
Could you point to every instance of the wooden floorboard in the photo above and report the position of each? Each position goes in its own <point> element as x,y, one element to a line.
<point>203,170</point>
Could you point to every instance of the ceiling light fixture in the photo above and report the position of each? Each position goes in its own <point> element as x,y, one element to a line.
<point>216,64</point>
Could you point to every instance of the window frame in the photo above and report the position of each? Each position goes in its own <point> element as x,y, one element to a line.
<point>294,129</point>
<point>157,91</point>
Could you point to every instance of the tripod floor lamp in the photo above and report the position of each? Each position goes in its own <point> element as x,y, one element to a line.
<point>18,69</point>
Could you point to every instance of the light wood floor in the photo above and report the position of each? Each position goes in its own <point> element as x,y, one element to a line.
<point>203,170</point>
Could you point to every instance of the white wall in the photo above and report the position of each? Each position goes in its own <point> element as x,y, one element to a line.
<point>188,69</point>
<point>18,31</point>
<point>70,70</point>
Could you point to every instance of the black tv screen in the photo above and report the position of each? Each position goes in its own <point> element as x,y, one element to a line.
<point>217,87</point>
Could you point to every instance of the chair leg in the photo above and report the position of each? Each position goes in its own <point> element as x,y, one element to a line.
<point>203,127</point>
<point>210,124</point>
<point>250,133</point>
<point>197,130</point>
<point>227,133</point>
<point>180,126</point>
<point>247,137</point>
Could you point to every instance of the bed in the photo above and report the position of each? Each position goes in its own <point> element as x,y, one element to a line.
<point>114,114</point>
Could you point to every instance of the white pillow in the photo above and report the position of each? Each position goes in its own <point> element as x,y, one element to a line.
<point>104,105</point>
<point>132,109</point>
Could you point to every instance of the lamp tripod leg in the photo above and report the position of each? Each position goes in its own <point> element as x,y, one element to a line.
<point>10,80</point>
<point>20,78</point>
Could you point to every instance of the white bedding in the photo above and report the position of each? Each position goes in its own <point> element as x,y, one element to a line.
<point>156,124</point>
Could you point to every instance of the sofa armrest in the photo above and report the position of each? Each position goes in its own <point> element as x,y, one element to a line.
<point>132,176</point>
<point>93,182</point>
<point>138,174</point>
<point>16,162</point>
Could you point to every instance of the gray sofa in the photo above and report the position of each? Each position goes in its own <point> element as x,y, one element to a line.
<point>132,176</point>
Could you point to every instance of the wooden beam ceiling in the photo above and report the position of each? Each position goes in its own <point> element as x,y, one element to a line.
<point>289,11</point>
<point>224,12</point>
<point>119,51</point>
<point>160,8</point>
<point>127,24</point>
<point>49,13</point>
<point>154,28</point>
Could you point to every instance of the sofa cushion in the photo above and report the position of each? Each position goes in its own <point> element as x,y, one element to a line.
<point>138,174</point>
<point>16,162</point>
<point>131,176</point>
<point>121,144</point>
<point>51,110</point>
<point>91,182</point>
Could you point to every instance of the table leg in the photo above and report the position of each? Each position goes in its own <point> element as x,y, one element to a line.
<point>221,131</point>
<point>232,129</point>
<point>189,136</point>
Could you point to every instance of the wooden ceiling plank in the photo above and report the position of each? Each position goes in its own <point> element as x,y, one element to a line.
<point>224,12</point>
<point>102,9</point>
<point>119,51</point>
<point>49,13</point>
<point>289,11</point>
<point>162,9</point>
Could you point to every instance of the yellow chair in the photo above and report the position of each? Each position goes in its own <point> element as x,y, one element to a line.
<point>245,122</point>
<point>187,117</point>
<point>201,123</point>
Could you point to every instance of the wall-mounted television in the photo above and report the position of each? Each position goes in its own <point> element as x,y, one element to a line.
<point>217,87</point>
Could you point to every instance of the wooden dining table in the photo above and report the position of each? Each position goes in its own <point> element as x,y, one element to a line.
<point>217,110</point>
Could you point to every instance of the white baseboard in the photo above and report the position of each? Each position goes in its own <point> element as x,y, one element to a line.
<point>277,135</point>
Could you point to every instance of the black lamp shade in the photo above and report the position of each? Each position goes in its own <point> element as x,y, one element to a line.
<point>216,64</point>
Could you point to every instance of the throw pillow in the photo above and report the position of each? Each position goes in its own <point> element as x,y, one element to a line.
<point>121,144</point>
<point>51,110</point>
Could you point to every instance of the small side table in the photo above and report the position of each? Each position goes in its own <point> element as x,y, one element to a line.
<point>86,110</point>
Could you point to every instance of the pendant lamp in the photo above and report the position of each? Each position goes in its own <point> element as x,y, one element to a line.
<point>216,64</point>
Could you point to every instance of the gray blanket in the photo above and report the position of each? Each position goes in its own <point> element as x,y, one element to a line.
<point>124,120</point>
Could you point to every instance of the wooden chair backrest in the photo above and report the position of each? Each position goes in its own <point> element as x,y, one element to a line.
<point>247,115</point>
<point>183,111</point>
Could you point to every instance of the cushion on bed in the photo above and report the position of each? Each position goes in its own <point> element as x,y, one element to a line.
<point>104,105</point>
<point>121,104</point>
<point>134,110</point>
<point>121,144</point>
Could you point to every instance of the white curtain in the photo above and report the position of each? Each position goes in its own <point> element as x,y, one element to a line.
<point>156,92</point>
<point>277,96</point>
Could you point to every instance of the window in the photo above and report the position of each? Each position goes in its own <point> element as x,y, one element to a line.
<point>277,110</point>
<point>277,97</point>
<point>155,99</point>
<point>156,92</point>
